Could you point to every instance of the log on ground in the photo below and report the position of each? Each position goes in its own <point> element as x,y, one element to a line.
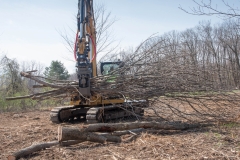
<point>111,127</point>
<point>31,149</point>
<point>39,147</point>
<point>86,133</point>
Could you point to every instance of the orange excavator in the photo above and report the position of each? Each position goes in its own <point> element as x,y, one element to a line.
<point>85,104</point>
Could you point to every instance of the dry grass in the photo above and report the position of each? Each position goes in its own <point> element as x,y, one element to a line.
<point>23,129</point>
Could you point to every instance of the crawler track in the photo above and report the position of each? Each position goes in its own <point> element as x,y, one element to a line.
<point>97,114</point>
<point>67,113</point>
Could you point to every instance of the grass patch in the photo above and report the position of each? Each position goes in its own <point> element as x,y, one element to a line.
<point>231,125</point>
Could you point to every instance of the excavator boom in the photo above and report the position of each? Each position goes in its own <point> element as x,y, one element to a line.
<point>86,46</point>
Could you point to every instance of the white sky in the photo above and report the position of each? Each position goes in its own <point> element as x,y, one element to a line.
<point>29,29</point>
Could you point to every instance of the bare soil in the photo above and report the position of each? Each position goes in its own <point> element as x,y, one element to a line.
<point>20,130</point>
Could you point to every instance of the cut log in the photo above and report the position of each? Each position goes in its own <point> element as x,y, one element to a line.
<point>40,146</point>
<point>70,133</point>
<point>85,134</point>
<point>111,127</point>
<point>31,149</point>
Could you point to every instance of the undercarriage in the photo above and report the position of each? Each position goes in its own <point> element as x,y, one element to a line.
<point>97,114</point>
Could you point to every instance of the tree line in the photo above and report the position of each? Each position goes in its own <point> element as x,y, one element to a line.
<point>12,84</point>
<point>213,48</point>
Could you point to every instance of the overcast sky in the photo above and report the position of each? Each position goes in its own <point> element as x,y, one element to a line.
<point>30,29</point>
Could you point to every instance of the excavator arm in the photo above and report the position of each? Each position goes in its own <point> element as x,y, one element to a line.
<point>85,49</point>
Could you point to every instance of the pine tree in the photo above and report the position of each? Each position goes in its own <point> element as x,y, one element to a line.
<point>56,71</point>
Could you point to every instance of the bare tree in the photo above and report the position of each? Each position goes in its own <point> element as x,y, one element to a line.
<point>33,65</point>
<point>10,77</point>
<point>104,32</point>
<point>104,22</point>
<point>229,37</point>
<point>209,8</point>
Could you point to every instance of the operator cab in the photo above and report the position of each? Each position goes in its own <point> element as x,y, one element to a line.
<point>108,67</point>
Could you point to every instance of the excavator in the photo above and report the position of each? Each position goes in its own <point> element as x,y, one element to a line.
<point>85,104</point>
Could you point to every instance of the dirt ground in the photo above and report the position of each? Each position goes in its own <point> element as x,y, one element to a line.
<point>20,130</point>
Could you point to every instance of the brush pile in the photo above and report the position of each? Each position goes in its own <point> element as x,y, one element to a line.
<point>174,84</point>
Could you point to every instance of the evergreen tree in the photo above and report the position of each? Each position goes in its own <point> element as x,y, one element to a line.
<point>56,71</point>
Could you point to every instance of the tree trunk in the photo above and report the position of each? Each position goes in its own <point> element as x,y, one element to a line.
<point>31,149</point>
<point>40,146</point>
<point>74,133</point>
<point>111,127</point>
<point>71,133</point>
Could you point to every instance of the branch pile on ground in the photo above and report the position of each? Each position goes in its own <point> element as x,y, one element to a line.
<point>172,83</point>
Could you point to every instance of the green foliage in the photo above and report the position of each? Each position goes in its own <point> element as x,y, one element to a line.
<point>17,105</point>
<point>13,85</point>
<point>231,125</point>
<point>56,71</point>
<point>11,81</point>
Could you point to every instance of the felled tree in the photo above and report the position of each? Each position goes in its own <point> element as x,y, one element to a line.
<point>175,87</point>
